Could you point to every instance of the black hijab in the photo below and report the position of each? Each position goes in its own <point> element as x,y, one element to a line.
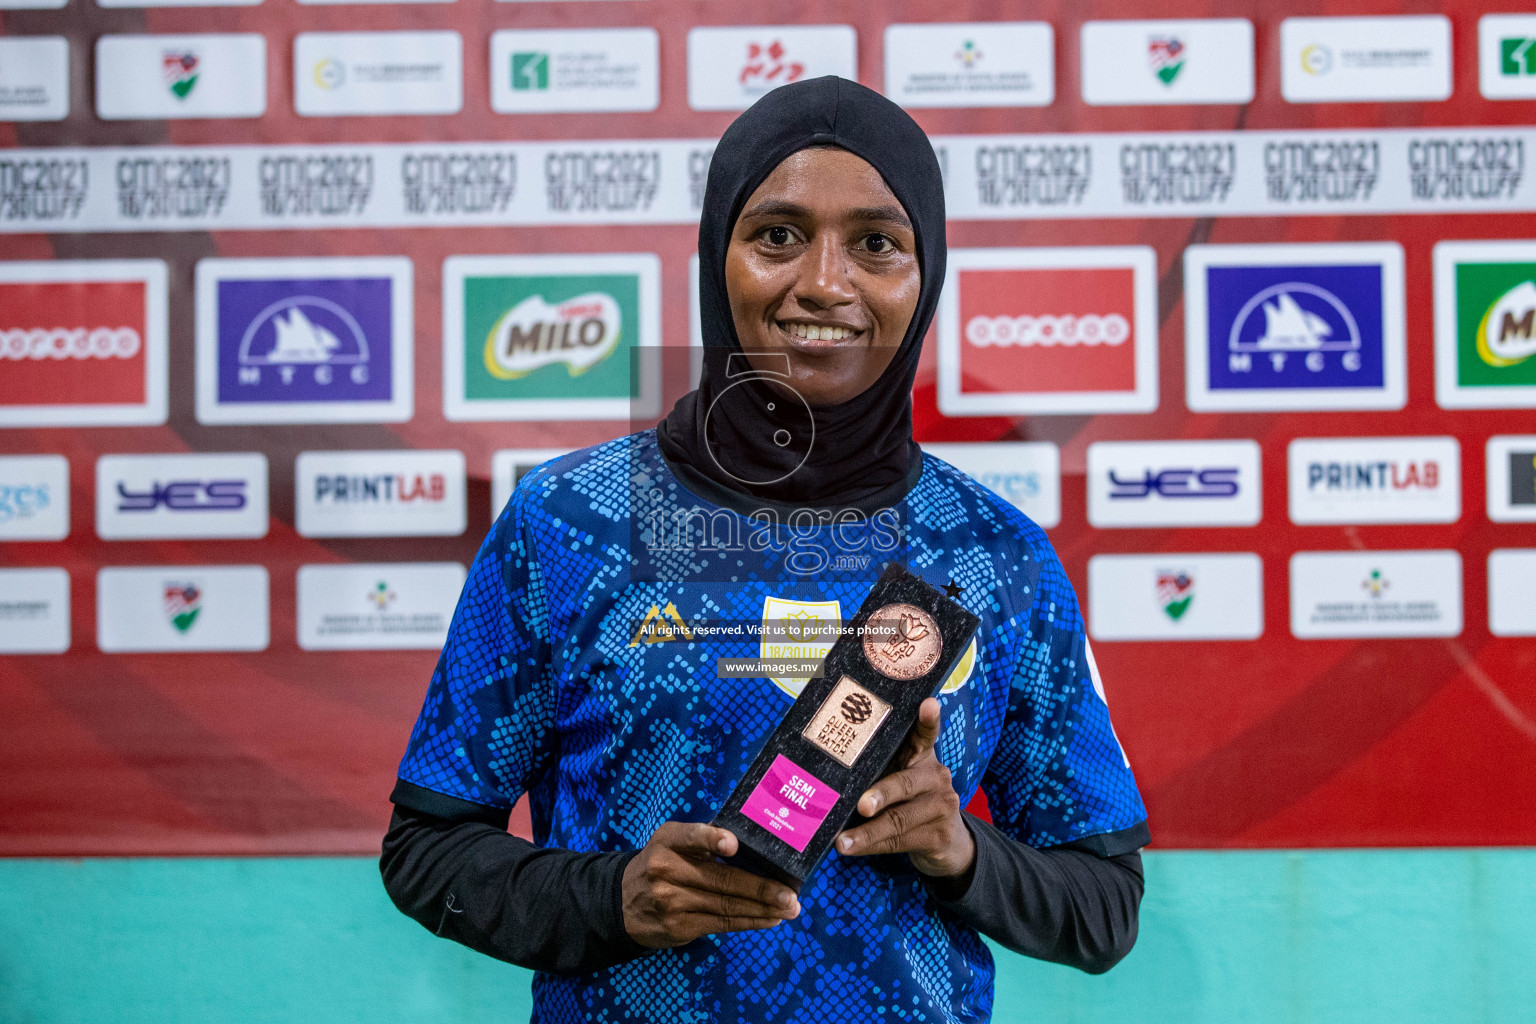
<point>724,432</point>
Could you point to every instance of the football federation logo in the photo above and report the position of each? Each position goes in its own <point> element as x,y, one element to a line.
<point>1166,55</point>
<point>82,343</point>
<point>1175,590</point>
<point>304,341</point>
<point>1295,327</point>
<point>183,602</point>
<point>1069,330</point>
<point>1485,325</point>
<point>550,337</point>
<point>181,68</point>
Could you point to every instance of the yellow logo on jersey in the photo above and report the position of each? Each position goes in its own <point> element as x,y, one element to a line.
<point>797,630</point>
<point>660,625</point>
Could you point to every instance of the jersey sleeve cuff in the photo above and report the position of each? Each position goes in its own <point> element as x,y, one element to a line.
<point>450,808</point>
<point>1114,844</point>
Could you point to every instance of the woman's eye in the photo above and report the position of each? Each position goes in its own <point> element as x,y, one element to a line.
<point>878,243</point>
<point>778,235</point>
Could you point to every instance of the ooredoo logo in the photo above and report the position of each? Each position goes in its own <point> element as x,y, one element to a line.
<point>1066,330</point>
<point>82,343</point>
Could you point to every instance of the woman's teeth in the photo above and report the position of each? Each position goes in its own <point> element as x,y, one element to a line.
<point>813,333</point>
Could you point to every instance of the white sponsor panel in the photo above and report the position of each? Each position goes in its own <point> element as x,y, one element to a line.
<point>379,494</point>
<point>730,68</point>
<point>1506,56</point>
<point>509,465</point>
<point>34,611</point>
<point>295,340</point>
<point>185,3</point>
<point>1195,60</point>
<point>1485,325</point>
<point>181,496</point>
<point>1026,474</point>
<point>971,64</point>
<point>34,497</point>
<point>31,5</point>
<point>1364,594</point>
<point>182,608</point>
<point>1295,326</point>
<point>181,76</point>
<point>380,606</point>
<point>34,78</point>
<point>1344,480</point>
<point>1373,59</point>
<point>1511,475</point>
<point>1048,330</point>
<point>1174,483</point>
<point>1176,597</point>
<point>377,73</point>
<point>1512,592</point>
<point>83,342</point>
<point>537,71</point>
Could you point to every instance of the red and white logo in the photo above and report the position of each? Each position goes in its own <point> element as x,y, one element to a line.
<point>1068,330</point>
<point>82,343</point>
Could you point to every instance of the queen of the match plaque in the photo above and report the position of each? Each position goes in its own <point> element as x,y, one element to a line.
<point>840,734</point>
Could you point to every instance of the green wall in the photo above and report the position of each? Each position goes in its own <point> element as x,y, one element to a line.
<point>1355,937</point>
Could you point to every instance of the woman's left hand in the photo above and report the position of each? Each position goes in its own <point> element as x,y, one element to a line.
<point>916,810</point>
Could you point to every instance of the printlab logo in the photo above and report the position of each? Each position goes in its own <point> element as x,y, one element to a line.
<point>525,340</point>
<point>1485,337</point>
<point>1375,480</point>
<point>1175,590</point>
<point>282,341</point>
<point>1048,331</point>
<point>181,69</point>
<point>379,494</point>
<point>1322,330</point>
<point>766,67</point>
<point>1167,57</point>
<point>82,343</point>
<point>183,603</point>
<point>530,72</point>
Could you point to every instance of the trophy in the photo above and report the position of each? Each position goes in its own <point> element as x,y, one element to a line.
<point>843,730</point>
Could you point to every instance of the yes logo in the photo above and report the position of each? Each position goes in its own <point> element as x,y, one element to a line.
<point>550,337</point>
<point>1485,325</point>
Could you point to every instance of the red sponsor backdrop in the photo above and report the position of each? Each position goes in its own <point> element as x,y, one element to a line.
<point>1277,742</point>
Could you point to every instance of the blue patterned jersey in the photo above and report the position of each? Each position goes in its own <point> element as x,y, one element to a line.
<point>557,682</point>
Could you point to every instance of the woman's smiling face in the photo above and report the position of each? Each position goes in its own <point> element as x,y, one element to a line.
<point>822,267</point>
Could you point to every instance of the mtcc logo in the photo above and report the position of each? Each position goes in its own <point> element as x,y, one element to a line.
<point>1293,319</point>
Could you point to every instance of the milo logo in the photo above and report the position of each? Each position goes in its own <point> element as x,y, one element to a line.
<point>1507,334</point>
<point>579,332</point>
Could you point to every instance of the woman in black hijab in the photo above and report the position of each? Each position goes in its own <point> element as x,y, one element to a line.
<point>821,257</point>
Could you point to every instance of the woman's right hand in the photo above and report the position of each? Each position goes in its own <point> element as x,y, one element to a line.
<point>675,890</point>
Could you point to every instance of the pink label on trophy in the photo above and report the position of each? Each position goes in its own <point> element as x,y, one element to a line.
<point>790,802</point>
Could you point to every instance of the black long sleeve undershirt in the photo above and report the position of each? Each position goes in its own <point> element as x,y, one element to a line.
<point>464,877</point>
